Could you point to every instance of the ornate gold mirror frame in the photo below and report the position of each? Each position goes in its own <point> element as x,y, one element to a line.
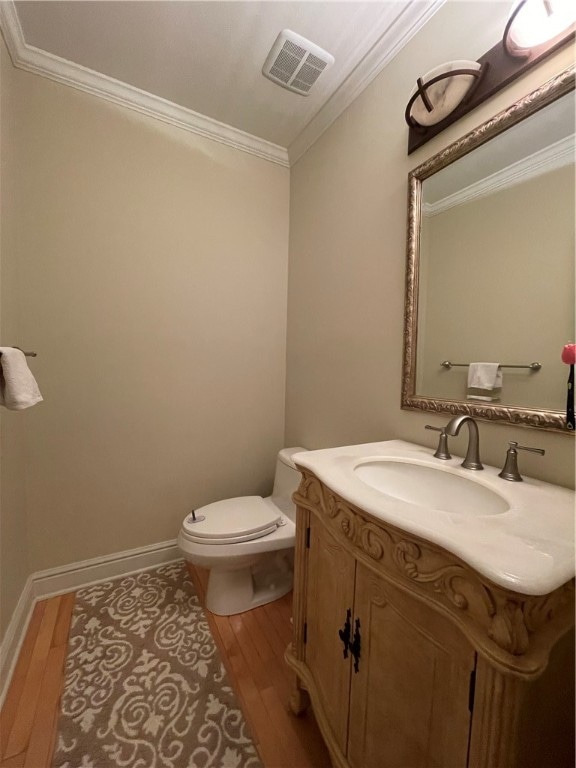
<point>542,419</point>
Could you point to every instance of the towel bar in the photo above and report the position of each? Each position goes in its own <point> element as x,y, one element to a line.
<point>531,366</point>
<point>28,354</point>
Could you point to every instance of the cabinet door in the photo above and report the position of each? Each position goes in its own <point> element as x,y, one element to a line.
<point>330,594</point>
<point>409,699</point>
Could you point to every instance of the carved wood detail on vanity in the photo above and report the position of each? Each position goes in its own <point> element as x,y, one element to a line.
<point>513,631</point>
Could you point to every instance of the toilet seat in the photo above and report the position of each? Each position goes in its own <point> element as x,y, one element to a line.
<point>243,518</point>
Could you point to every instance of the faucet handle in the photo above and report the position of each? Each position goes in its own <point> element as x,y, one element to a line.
<point>541,451</point>
<point>442,451</point>
<point>510,469</point>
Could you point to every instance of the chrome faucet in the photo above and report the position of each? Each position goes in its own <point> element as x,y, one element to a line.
<point>472,460</point>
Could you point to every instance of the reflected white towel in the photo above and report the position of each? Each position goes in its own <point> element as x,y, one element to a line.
<point>484,376</point>
<point>18,388</point>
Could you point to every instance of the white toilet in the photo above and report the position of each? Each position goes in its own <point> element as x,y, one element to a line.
<point>247,543</point>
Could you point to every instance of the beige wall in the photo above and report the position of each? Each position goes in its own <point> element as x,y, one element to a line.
<point>516,302</point>
<point>14,567</point>
<point>347,255</point>
<point>153,285</point>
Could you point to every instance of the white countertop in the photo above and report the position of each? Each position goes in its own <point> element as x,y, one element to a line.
<point>529,548</point>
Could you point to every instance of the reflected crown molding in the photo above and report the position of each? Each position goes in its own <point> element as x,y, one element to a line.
<point>545,160</point>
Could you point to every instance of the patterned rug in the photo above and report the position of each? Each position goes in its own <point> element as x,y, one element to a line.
<point>144,683</point>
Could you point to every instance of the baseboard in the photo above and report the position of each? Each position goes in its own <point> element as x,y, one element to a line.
<point>67,578</point>
<point>14,635</point>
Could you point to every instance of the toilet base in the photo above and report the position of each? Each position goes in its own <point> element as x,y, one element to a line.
<point>236,591</point>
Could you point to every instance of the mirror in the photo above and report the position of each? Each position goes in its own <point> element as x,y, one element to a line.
<point>490,265</point>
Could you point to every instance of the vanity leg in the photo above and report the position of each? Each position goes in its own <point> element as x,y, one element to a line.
<point>299,699</point>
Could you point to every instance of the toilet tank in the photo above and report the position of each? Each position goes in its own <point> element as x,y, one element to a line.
<point>286,481</point>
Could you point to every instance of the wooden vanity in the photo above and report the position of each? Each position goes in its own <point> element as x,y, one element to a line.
<point>411,658</point>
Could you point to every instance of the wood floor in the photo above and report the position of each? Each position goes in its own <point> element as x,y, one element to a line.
<point>29,715</point>
<point>252,646</point>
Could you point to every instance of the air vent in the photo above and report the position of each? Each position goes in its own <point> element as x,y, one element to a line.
<point>295,63</point>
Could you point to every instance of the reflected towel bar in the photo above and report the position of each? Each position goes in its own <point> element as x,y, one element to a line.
<point>531,366</point>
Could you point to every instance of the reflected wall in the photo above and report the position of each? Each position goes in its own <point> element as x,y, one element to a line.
<point>499,286</point>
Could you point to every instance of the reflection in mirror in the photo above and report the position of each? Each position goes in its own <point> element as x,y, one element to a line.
<point>497,263</point>
<point>491,266</point>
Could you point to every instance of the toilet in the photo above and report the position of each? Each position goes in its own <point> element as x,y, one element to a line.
<point>247,543</point>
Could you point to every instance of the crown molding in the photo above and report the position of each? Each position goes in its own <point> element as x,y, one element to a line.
<point>39,62</point>
<point>410,21</point>
<point>550,158</point>
<point>45,64</point>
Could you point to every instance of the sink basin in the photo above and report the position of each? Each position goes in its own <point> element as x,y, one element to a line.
<point>429,487</point>
<point>518,535</point>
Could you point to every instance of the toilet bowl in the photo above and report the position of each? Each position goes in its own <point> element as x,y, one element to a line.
<point>247,543</point>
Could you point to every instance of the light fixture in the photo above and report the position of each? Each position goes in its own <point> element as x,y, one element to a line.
<point>534,22</point>
<point>535,29</point>
<point>440,91</point>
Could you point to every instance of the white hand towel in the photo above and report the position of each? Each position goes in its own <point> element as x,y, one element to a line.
<point>484,376</point>
<point>18,388</point>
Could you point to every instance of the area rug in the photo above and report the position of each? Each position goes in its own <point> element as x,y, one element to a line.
<point>144,685</point>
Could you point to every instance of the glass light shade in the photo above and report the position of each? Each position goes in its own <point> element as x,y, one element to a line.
<point>444,95</point>
<point>536,21</point>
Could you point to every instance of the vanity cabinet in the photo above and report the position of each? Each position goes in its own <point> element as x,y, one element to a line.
<point>404,700</point>
<point>412,659</point>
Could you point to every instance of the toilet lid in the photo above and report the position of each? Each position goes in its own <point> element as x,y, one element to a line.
<point>232,520</point>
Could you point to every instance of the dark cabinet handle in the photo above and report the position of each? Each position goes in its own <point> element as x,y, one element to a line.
<point>355,646</point>
<point>345,632</point>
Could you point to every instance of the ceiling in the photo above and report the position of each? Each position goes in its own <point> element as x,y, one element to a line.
<point>199,63</point>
